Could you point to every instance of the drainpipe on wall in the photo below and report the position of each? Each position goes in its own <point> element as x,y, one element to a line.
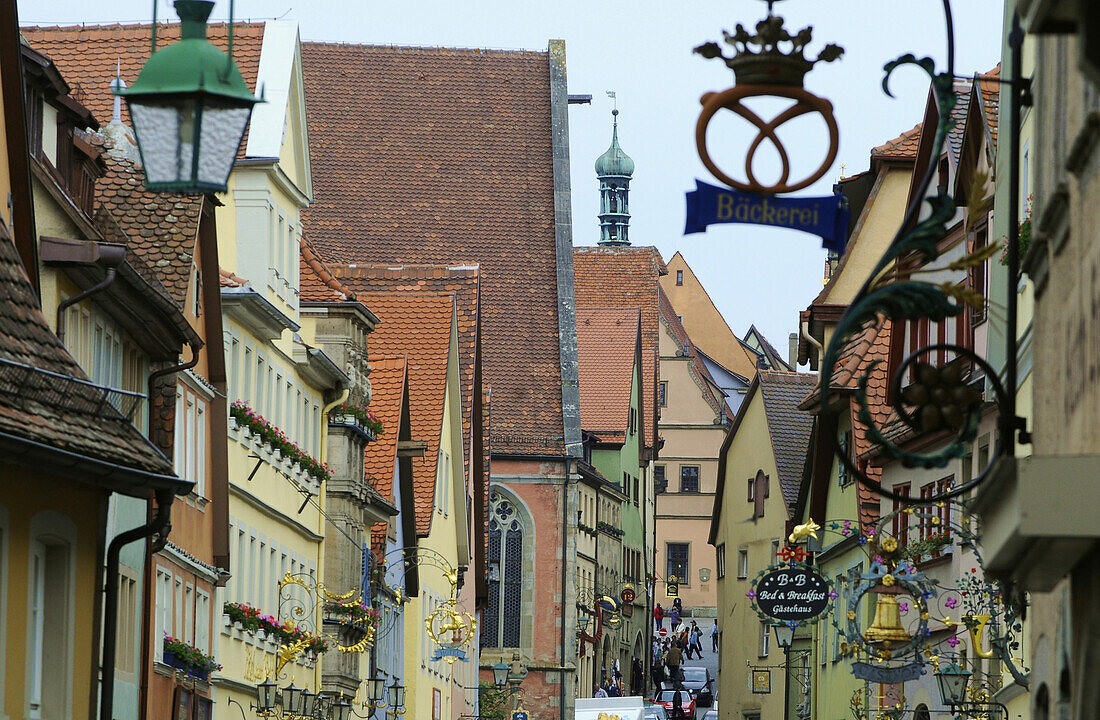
<point>110,257</point>
<point>160,524</point>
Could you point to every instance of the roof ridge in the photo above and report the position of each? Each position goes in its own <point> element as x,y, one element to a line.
<point>418,48</point>
<point>237,24</point>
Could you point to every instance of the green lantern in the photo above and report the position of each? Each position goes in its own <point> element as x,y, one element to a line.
<point>190,107</point>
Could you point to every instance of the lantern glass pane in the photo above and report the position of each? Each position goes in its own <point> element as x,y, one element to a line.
<point>166,133</point>
<point>223,127</point>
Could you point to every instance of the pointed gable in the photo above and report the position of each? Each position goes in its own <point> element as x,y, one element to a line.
<point>387,380</point>
<point>607,343</point>
<point>627,277</point>
<point>446,156</point>
<point>419,328</point>
<point>788,426</point>
<point>706,325</point>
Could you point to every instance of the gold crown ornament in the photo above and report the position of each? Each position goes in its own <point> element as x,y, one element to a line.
<point>779,57</point>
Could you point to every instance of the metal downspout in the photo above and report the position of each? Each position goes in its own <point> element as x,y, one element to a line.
<point>159,524</point>
<point>110,257</point>
<point>64,304</point>
<point>340,400</point>
<point>158,374</point>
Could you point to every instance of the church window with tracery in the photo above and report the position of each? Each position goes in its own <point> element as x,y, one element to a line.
<point>500,626</point>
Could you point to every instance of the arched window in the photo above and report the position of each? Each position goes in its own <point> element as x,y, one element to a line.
<point>500,626</point>
<point>921,713</point>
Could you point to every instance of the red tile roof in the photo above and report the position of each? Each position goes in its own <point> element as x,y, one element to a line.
<point>90,55</point>
<point>626,277</point>
<point>387,380</point>
<point>418,326</point>
<point>460,282</point>
<point>229,279</point>
<point>316,283</point>
<point>444,156</point>
<point>160,229</point>
<point>903,147</point>
<point>991,96</point>
<point>606,343</point>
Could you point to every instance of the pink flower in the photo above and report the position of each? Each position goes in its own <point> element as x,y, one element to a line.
<point>903,606</point>
<point>951,603</point>
<point>953,641</point>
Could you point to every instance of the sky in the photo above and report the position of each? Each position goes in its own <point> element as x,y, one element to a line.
<point>642,50</point>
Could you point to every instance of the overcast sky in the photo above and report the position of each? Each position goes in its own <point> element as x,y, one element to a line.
<point>642,51</point>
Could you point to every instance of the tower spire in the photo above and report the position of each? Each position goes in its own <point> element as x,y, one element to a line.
<point>614,169</point>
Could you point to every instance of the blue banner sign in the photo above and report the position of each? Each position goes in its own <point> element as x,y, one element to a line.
<point>441,653</point>
<point>826,217</point>
<point>519,715</point>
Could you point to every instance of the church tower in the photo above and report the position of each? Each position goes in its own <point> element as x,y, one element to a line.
<point>614,169</point>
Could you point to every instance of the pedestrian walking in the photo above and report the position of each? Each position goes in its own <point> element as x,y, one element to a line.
<point>678,604</point>
<point>673,659</point>
<point>659,616</point>
<point>673,618</point>
<point>600,692</point>
<point>714,635</point>
<point>694,644</point>
<point>636,677</point>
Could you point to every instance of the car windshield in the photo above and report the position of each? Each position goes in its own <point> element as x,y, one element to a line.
<point>695,674</point>
<point>667,695</point>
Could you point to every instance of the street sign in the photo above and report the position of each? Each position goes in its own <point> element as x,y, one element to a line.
<point>792,594</point>
<point>662,632</point>
<point>519,715</point>
<point>672,589</point>
<point>761,681</point>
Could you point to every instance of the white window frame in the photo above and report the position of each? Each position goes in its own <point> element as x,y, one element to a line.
<point>742,563</point>
<point>163,612</point>
<point>55,536</point>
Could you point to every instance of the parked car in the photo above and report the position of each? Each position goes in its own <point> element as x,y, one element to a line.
<point>698,682</point>
<point>687,702</point>
<point>656,712</point>
<point>711,715</point>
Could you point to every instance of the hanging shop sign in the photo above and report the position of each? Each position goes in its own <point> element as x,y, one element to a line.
<point>792,594</point>
<point>761,681</point>
<point>826,217</point>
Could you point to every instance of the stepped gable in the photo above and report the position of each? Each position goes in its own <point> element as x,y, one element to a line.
<point>788,426</point>
<point>626,277</point>
<point>606,342</point>
<point>418,326</point>
<point>387,379</point>
<point>460,281</point>
<point>449,161</point>
<point>159,229</point>
<point>89,56</point>
<point>38,404</point>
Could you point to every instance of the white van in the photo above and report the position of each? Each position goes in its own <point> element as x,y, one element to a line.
<point>613,708</point>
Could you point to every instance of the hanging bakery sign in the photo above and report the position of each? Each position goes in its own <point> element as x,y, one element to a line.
<point>791,593</point>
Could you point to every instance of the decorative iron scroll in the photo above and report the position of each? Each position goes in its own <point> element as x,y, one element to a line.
<point>939,398</point>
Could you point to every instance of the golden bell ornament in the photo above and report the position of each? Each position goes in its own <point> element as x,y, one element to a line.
<point>886,627</point>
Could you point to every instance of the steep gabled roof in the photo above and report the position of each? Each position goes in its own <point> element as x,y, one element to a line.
<point>462,282</point>
<point>46,399</point>
<point>445,156</point>
<point>710,388</point>
<point>160,229</point>
<point>788,426</point>
<point>775,360</point>
<point>903,147</point>
<point>607,341</point>
<point>387,380</point>
<point>626,277</point>
<point>418,326</point>
<point>89,56</point>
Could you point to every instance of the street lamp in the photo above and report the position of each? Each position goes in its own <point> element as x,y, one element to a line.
<point>309,703</point>
<point>952,681</point>
<point>190,107</point>
<point>397,700</point>
<point>784,635</point>
<point>292,699</point>
<point>265,696</point>
<point>500,675</point>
